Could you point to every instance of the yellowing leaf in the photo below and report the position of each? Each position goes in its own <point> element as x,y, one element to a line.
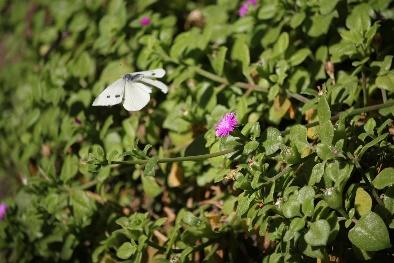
<point>362,202</point>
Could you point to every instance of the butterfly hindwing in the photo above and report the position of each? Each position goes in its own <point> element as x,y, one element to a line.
<point>136,96</point>
<point>112,95</point>
<point>158,84</point>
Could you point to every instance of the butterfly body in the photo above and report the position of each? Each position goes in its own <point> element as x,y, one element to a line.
<point>133,89</point>
<point>132,77</point>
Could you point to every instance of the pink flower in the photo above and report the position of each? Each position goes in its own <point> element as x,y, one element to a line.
<point>226,125</point>
<point>243,10</point>
<point>3,210</point>
<point>252,2</point>
<point>145,21</point>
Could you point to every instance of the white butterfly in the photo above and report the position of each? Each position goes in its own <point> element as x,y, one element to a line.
<point>133,89</point>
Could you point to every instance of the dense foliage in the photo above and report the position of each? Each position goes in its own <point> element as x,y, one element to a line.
<point>304,178</point>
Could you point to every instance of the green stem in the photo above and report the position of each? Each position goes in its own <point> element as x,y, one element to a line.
<point>180,250</point>
<point>367,181</point>
<point>89,185</point>
<point>384,95</point>
<point>179,159</point>
<point>210,76</point>
<point>244,85</point>
<point>283,172</point>
<point>352,113</point>
<point>364,86</point>
<point>216,78</point>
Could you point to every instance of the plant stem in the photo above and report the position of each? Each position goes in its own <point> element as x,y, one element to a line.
<point>244,85</point>
<point>367,181</point>
<point>89,185</point>
<point>180,250</point>
<point>210,76</point>
<point>180,159</point>
<point>216,78</point>
<point>384,95</point>
<point>364,86</point>
<point>352,113</point>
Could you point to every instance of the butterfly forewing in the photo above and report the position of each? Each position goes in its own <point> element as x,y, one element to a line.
<point>112,95</point>
<point>155,73</point>
<point>136,96</point>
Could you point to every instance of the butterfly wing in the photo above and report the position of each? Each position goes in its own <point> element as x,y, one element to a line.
<point>155,73</point>
<point>112,95</point>
<point>136,96</point>
<point>158,84</point>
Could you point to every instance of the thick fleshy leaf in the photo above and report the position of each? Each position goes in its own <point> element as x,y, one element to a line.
<point>370,233</point>
<point>318,233</point>
<point>384,178</point>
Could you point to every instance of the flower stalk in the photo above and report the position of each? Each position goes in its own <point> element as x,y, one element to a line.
<point>180,159</point>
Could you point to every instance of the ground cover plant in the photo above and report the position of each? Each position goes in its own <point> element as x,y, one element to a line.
<point>274,142</point>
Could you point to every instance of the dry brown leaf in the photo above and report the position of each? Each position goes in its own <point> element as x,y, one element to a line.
<point>46,150</point>
<point>175,177</point>
<point>214,220</point>
<point>291,111</point>
<point>310,114</point>
<point>171,216</point>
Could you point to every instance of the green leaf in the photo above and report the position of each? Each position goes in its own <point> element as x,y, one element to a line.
<point>306,197</point>
<point>268,10</point>
<point>83,206</point>
<point>386,81</point>
<point>298,57</point>
<point>362,202</point>
<point>316,175</point>
<point>371,144</point>
<point>297,19</point>
<point>243,204</point>
<point>183,42</point>
<point>326,130</point>
<point>83,66</point>
<point>126,250</point>
<point>217,60</point>
<point>384,178</point>
<point>271,36</point>
<point>291,208</point>
<point>273,140</point>
<point>333,198</point>
<point>359,19</point>
<point>150,186</point>
<point>326,6</point>
<point>68,247</point>
<point>296,225</point>
<point>250,147</point>
<point>290,154</point>
<point>324,152</point>
<point>323,109</point>
<point>69,168</point>
<point>282,44</point>
<point>320,24</point>
<point>318,233</point>
<point>298,137</point>
<point>104,173</point>
<point>240,52</point>
<point>150,167</point>
<point>370,233</point>
<point>370,126</point>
